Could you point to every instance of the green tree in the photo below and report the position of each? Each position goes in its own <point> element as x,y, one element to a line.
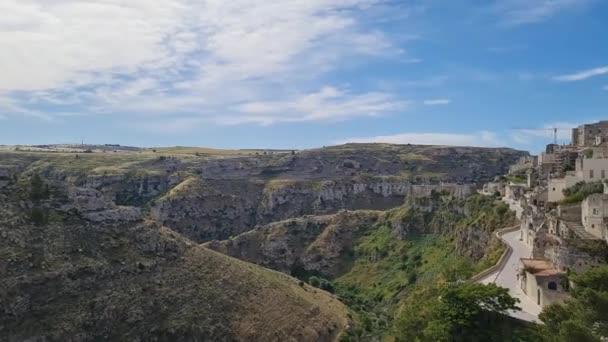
<point>38,189</point>
<point>462,312</point>
<point>585,316</point>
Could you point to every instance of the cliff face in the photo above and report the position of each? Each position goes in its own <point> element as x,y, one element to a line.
<point>325,245</point>
<point>76,266</point>
<point>104,246</point>
<point>216,197</point>
<point>305,245</point>
<point>218,209</point>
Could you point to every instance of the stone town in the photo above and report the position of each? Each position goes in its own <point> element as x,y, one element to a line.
<point>561,200</point>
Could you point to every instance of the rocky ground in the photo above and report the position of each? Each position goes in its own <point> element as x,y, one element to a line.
<point>104,246</point>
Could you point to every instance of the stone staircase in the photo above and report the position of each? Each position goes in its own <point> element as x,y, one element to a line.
<point>580,231</point>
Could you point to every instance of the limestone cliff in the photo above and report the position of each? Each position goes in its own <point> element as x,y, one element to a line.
<point>216,197</point>
<point>325,245</point>
<point>77,267</point>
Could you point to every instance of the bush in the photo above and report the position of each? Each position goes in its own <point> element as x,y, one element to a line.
<point>38,216</point>
<point>38,189</point>
<point>578,192</point>
<point>321,283</point>
<point>314,281</point>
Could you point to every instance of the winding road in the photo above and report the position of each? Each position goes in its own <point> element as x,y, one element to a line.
<point>507,278</point>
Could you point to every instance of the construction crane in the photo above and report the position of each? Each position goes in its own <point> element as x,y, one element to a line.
<point>554,130</point>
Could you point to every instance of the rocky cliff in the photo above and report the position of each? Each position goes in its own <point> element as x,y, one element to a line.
<point>325,245</point>
<point>104,246</point>
<point>77,267</point>
<point>215,197</point>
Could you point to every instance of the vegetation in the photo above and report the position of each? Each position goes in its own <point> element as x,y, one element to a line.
<point>583,318</point>
<point>394,284</point>
<point>516,179</point>
<point>321,283</point>
<point>582,190</point>
<point>459,312</point>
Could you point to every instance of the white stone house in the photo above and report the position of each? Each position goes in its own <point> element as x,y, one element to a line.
<point>531,223</point>
<point>592,169</point>
<point>541,282</point>
<point>594,215</point>
<point>556,186</point>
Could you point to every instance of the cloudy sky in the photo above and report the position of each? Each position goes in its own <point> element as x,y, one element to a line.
<point>300,73</point>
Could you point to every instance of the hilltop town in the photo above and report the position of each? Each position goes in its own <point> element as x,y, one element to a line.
<point>561,200</point>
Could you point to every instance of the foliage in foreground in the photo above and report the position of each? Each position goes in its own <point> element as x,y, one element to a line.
<point>584,318</point>
<point>394,283</point>
<point>459,312</point>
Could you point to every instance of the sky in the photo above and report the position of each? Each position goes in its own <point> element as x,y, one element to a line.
<point>301,73</point>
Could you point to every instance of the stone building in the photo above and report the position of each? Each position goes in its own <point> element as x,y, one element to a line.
<point>531,223</point>
<point>592,169</point>
<point>492,188</point>
<point>541,282</point>
<point>595,214</point>
<point>587,135</point>
<point>557,186</point>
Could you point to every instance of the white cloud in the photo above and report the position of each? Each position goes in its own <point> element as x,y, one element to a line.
<point>197,58</point>
<point>482,139</point>
<point>328,104</point>
<point>437,102</point>
<point>583,75</point>
<point>522,12</point>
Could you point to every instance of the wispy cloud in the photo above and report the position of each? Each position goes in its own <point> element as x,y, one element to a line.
<point>437,102</point>
<point>482,138</point>
<point>328,104</point>
<point>522,12</point>
<point>605,87</point>
<point>583,75</point>
<point>195,58</point>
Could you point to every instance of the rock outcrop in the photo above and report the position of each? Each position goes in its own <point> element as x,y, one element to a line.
<point>87,270</point>
<point>305,245</point>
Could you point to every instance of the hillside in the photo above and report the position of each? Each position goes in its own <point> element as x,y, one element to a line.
<point>208,197</point>
<point>67,277</point>
<point>104,245</point>
<point>381,263</point>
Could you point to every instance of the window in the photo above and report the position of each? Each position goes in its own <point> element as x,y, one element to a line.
<point>553,189</point>
<point>595,211</point>
<point>552,286</point>
<point>590,173</point>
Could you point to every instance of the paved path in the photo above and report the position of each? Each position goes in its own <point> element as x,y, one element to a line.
<point>507,277</point>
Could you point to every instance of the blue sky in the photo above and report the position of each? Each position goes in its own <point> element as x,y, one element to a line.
<point>301,73</point>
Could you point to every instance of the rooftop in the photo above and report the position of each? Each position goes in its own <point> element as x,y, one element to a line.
<point>540,268</point>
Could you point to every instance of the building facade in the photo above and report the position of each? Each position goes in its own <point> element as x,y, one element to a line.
<point>587,135</point>
<point>541,282</point>
<point>594,215</point>
<point>556,186</point>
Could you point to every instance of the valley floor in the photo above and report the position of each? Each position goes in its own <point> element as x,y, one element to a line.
<point>507,277</point>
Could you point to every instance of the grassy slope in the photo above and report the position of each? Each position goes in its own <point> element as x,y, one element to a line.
<point>142,281</point>
<point>391,279</point>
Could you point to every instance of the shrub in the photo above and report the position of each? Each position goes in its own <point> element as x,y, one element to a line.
<point>314,281</point>
<point>578,192</point>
